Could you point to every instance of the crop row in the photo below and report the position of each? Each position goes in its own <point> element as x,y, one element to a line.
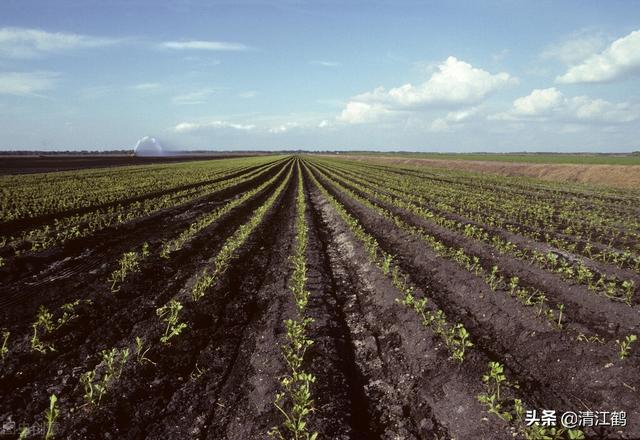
<point>96,382</point>
<point>86,224</point>
<point>294,401</point>
<point>575,271</point>
<point>130,261</point>
<point>540,218</point>
<point>456,337</point>
<point>29,196</point>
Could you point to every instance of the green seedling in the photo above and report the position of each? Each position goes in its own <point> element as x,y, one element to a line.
<point>169,314</point>
<point>37,344</point>
<point>87,382</point>
<point>196,373</point>
<point>24,433</point>
<point>592,339</point>
<point>625,346</point>
<point>494,280</point>
<point>461,342</point>
<point>513,285</point>
<point>539,432</point>
<point>298,386</point>
<point>4,349</point>
<point>45,325</point>
<point>45,319</point>
<point>141,352</point>
<point>627,287</point>
<point>96,382</point>
<point>493,381</point>
<point>386,264</point>
<point>128,263</point>
<point>51,415</point>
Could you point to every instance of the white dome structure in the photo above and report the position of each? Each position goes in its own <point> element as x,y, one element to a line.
<point>148,147</point>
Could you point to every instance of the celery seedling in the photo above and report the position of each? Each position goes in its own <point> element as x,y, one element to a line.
<point>4,350</point>
<point>169,314</point>
<point>51,415</point>
<point>625,346</point>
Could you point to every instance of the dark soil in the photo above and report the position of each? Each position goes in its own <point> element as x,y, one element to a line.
<point>380,373</point>
<point>552,369</point>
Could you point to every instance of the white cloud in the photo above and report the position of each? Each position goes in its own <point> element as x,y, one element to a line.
<point>620,59</point>
<point>325,63</point>
<point>539,101</point>
<point>453,119</point>
<point>26,83</point>
<point>204,45</point>
<point>361,112</point>
<point>190,127</point>
<point>248,94</point>
<point>18,42</point>
<point>454,83</point>
<point>576,49</point>
<point>196,97</point>
<point>148,86</point>
<point>283,127</point>
<point>551,105</point>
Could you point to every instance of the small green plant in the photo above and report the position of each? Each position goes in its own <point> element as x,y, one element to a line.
<point>68,313</point>
<point>51,414</point>
<point>494,380</point>
<point>141,352</point>
<point>513,285</point>
<point>46,324</point>
<point>625,346</point>
<point>627,287</point>
<point>494,280</point>
<point>386,264</point>
<point>169,314</point>
<point>460,342</point>
<point>196,373</point>
<point>45,319</point>
<point>298,386</point>
<point>591,339</point>
<point>4,348</point>
<point>24,433</point>
<point>38,344</point>
<point>97,381</point>
<point>128,263</point>
<point>201,285</point>
<point>87,382</point>
<point>539,432</point>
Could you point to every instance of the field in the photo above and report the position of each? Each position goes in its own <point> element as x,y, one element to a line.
<point>583,170</point>
<point>544,158</point>
<point>303,297</point>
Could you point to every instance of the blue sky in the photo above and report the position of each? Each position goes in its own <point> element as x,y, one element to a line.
<point>500,75</point>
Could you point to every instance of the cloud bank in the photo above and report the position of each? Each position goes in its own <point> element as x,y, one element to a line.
<point>619,60</point>
<point>454,84</point>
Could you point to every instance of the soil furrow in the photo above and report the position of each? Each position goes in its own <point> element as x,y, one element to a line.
<point>552,368</point>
